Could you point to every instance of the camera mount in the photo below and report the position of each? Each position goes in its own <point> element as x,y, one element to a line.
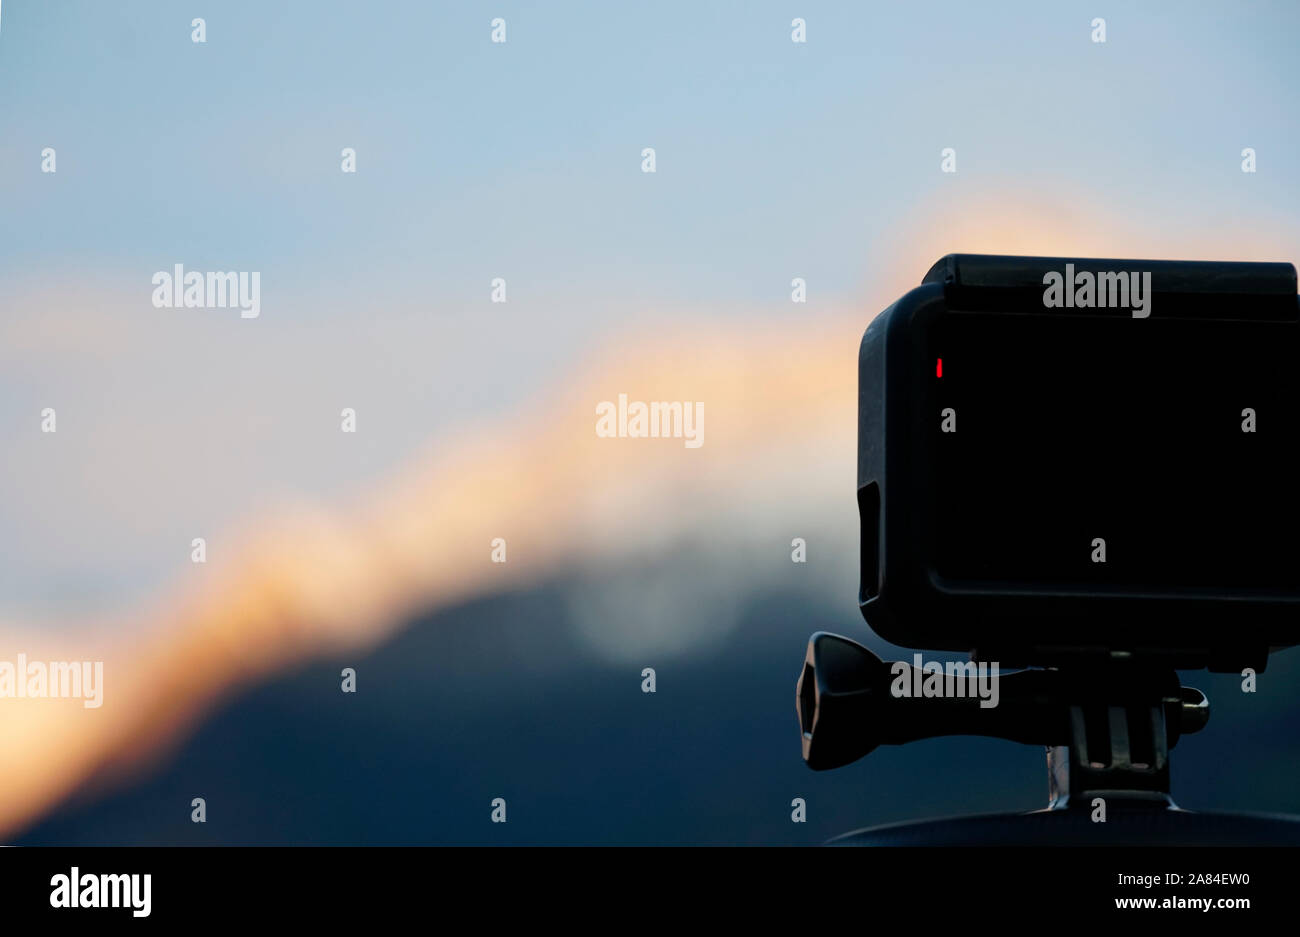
<point>1108,729</point>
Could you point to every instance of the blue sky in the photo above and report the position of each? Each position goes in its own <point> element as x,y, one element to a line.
<point>479,160</point>
<point>522,160</point>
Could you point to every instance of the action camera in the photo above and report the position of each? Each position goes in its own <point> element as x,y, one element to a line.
<point>1064,457</point>
<point>1079,472</point>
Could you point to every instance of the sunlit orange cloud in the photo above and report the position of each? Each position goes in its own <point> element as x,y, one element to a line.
<point>317,579</point>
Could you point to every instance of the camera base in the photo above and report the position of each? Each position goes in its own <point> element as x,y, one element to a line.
<point>1126,824</point>
<point>1108,728</point>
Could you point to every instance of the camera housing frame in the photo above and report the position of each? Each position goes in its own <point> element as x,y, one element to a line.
<point>902,595</point>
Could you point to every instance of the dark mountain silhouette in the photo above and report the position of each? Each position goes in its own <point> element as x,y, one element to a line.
<point>501,698</point>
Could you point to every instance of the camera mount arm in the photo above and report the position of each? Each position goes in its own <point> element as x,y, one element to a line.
<point>1108,728</point>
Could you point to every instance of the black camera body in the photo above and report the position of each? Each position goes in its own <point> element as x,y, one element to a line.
<point>1060,458</point>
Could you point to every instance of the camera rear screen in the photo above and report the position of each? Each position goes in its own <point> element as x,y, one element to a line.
<point>1147,455</point>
